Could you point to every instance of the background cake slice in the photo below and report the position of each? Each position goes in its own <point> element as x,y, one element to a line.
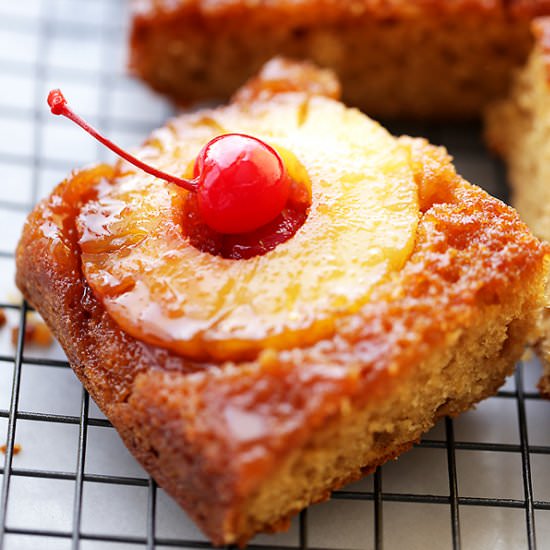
<point>243,445</point>
<point>518,128</point>
<point>404,58</point>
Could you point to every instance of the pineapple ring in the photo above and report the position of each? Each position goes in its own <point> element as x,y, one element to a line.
<point>360,228</point>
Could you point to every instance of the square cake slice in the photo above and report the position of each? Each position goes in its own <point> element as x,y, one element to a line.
<point>443,59</point>
<point>518,128</point>
<point>252,387</point>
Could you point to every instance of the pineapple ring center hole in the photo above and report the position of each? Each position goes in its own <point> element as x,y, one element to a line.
<point>243,246</point>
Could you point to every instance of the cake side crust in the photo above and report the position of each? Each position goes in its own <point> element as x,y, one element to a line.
<point>327,10</point>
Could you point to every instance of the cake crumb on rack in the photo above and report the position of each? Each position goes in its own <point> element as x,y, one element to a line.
<point>16,449</point>
<point>36,333</point>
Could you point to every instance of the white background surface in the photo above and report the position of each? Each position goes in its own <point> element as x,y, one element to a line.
<point>79,45</point>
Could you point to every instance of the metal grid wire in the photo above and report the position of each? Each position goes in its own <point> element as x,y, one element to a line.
<point>101,24</point>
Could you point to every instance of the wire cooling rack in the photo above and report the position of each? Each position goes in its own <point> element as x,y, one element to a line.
<point>477,482</point>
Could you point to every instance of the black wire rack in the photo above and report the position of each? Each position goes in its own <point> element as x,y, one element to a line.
<point>101,24</point>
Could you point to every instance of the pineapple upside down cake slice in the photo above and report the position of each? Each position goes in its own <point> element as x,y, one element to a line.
<point>289,297</point>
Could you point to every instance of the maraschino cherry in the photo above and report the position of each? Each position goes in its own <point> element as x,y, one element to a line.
<point>240,181</point>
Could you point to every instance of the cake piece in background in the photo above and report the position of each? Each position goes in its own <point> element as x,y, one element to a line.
<point>518,128</point>
<point>440,59</point>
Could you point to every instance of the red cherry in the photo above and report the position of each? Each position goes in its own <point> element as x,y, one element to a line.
<point>240,181</point>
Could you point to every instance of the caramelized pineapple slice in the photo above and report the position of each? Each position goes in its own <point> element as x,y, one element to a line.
<point>360,228</point>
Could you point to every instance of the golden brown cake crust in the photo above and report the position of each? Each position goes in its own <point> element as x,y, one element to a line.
<point>212,435</point>
<point>328,10</point>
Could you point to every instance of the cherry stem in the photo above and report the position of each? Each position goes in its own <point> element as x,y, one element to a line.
<point>58,106</point>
